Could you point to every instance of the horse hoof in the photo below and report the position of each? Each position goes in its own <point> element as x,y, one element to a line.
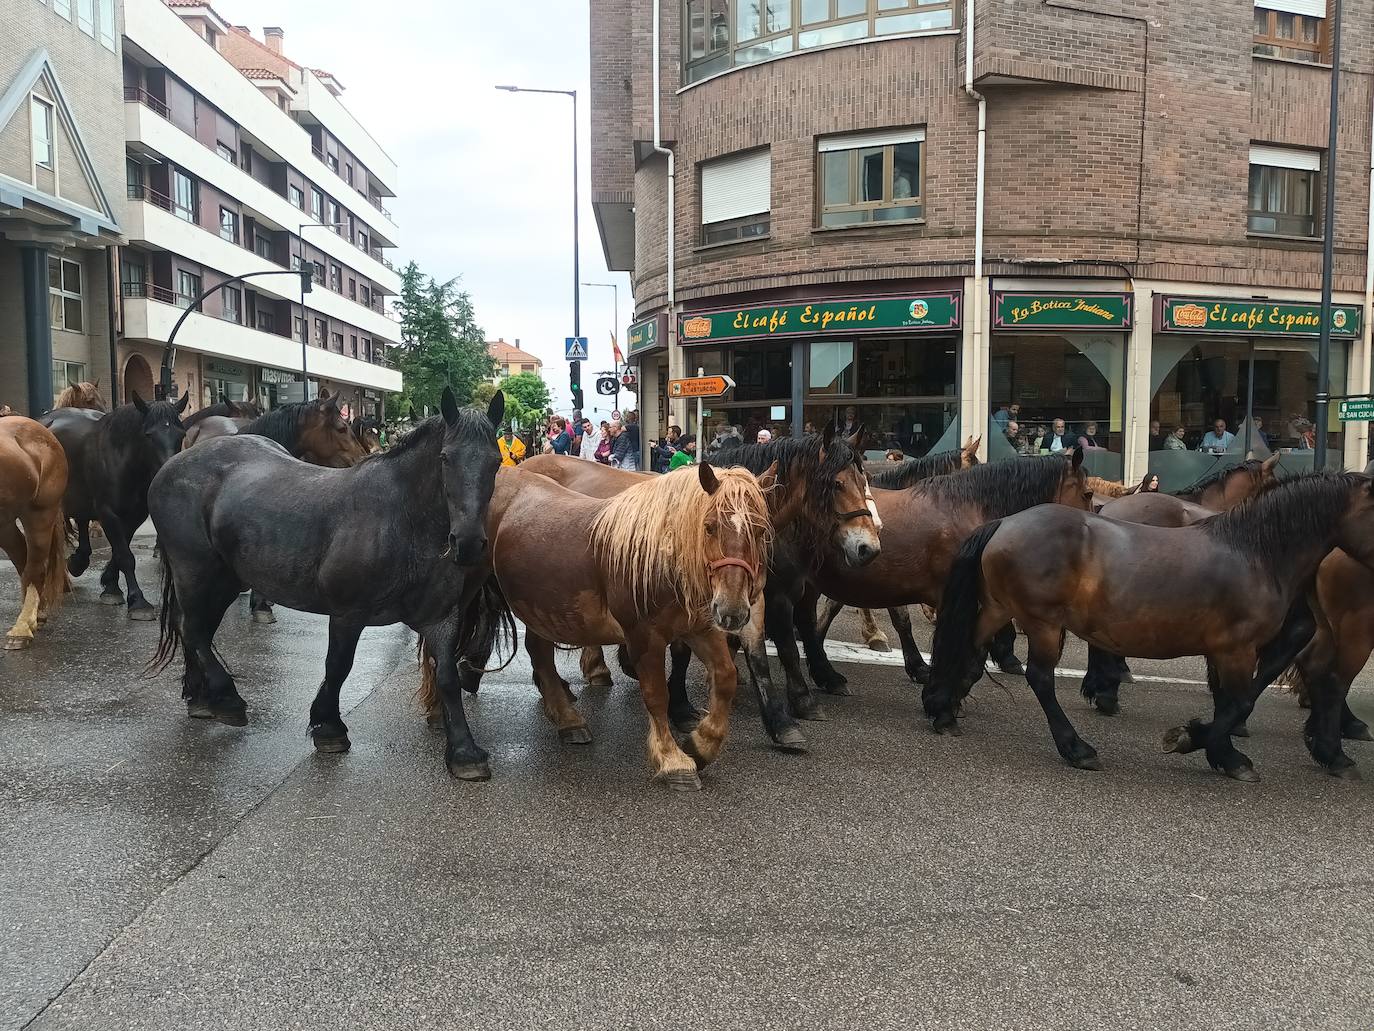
<point>809,710</point>
<point>469,771</point>
<point>324,743</point>
<point>1351,772</point>
<point>231,717</point>
<point>575,735</point>
<point>600,680</point>
<point>111,597</point>
<point>879,644</point>
<point>199,710</point>
<point>1087,762</point>
<point>791,740</point>
<point>1241,730</point>
<point>1357,731</point>
<point>1106,706</point>
<point>920,676</point>
<point>14,644</point>
<point>143,613</point>
<point>1012,667</point>
<point>682,780</point>
<point>839,687</point>
<point>946,725</point>
<point>434,720</point>
<point>1245,774</point>
<point>1178,740</point>
<point>1127,677</point>
<point>264,616</point>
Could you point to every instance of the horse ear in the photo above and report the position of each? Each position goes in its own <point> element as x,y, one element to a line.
<point>323,395</point>
<point>769,477</point>
<point>1269,465</point>
<point>1077,457</point>
<point>856,439</point>
<point>72,383</point>
<point>974,443</point>
<point>96,383</point>
<point>139,403</point>
<point>181,405</point>
<point>496,408</point>
<point>828,434</point>
<point>706,476</point>
<point>449,406</point>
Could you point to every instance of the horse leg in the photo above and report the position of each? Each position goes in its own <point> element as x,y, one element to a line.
<point>559,702</point>
<point>110,594</point>
<point>327,728</point>
<point>261,608</point>
<point>778,621</point>
<point>208,686</point>
<point>671,764</point>
<point>912,659</point>
<point>873,637</point>
<point>14,545</point>
<point>1352,727</point>
<point>1002,649</point>
<point>828,611</point>
<point>1100,681</point>
<point>780,724</point>
<point>465,759</point>
<point>80,559</point>
<point>681,711</point>
<point>594,669</point>
<point>704,743</point>
<point>826,676</point>
<point>1046,643</point>
<point>118,536</point>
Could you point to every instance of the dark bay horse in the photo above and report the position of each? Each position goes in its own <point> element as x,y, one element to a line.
<point>392,539</point>
<point>923,527</point>
<point>1117,586</point>
<point>1342,641</point>
<point>33,531</point>
<point>368,432</point>
<point>113,458</point>
<point>680,557</point>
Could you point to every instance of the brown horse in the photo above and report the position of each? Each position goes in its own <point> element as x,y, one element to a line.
<point>82,395</point>
<point>923,528</point>
<point>213,426</point>
<point>1342,642</point>
<point>33,478</point>
<point>1116,585</point>
<point>676,557</point>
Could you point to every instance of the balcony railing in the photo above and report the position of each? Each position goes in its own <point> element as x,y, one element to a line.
<point>138,95</point>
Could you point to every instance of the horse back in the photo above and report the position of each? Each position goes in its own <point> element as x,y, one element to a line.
<point>1154,509</point>
<point>588,478</point>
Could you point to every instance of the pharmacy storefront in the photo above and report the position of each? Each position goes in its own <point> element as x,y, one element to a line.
<point>888,362</point>
<point>225,381</point>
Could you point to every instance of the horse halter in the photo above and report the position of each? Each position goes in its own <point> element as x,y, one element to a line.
<point>871,510</point>
<point>731,560</point>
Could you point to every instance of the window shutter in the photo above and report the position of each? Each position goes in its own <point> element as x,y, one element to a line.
<point>1310,8</point>
<point>735,186</point>
<point>1284,157</point>
<point>882,138</point>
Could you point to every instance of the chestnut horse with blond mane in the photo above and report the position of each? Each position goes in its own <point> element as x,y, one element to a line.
<point>33,478</point>
<point>82,395</point>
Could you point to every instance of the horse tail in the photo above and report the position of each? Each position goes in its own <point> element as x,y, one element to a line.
<point>488,625</point>
<point>428,693</point>
<point>955,652</point>
<point>169,623</point>
<point>56,582</point>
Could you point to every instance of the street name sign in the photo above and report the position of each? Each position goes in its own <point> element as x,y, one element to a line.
<point>575,349</point>
<point>1357,411</point>
<point>700,386</point>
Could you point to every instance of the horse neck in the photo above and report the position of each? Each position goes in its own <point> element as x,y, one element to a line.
<point>411,477</point>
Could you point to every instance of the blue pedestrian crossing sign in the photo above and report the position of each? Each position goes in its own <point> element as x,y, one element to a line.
<point>575,349</point>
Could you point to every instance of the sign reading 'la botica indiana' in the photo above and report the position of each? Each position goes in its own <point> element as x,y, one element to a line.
<point>924,312</point>
<point>1254,318</point>
<point>1061,311</point>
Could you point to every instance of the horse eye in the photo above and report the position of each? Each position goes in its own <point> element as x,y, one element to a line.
<point>710,529</point>
<point>839,485</point>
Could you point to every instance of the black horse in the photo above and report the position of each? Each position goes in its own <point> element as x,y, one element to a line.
<point>391,539</point>
<point>113,459</point>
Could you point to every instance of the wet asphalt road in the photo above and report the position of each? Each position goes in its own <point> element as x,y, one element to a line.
<point>157,872</point>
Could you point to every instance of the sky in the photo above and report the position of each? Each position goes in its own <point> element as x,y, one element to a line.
<point>485,189</point>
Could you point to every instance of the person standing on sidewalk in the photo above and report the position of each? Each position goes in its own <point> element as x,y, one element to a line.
<point>685,454</point>
<point>625,449</point>
<point>591,441</point>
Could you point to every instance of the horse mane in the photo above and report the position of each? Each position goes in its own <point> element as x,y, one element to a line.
<point>1108,488</point>
<point>1215,476</point>
<point>1000,489</point>
<point>127,421</point>
<point>653,536</point>
<point>912,470</point>
<point>1299,509</point>
<point>472,422</point>
<point>81,395</point>
<point>281,424</point>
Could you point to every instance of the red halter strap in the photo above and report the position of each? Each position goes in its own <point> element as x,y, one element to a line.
<point>721,563</point>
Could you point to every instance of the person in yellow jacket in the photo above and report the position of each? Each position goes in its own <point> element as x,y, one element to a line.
<point>512,448</point>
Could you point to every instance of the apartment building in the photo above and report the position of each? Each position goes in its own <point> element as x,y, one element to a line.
<point>511,360</point>
<point>242,167</point>
<point>61,162</point>
<point>1140,243</point>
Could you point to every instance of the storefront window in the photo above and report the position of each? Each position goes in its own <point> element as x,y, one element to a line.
<point>913,427</point>
<point>830,367</point>
<point>762,372</point>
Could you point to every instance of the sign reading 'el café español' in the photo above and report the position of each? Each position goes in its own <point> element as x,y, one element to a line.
<point>1254,318</point>
<point>924,312</point>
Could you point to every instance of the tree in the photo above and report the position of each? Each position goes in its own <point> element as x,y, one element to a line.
<point>527,396</point>
<point>441,343</point>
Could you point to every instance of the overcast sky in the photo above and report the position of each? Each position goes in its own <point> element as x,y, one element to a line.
<point>485,177</point>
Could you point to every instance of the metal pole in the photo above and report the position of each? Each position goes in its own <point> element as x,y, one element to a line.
<point>575,368</point>
<point>1328,246</point>
<point>1250,401</point>
<point>305,322</point>
<point>700,428</point>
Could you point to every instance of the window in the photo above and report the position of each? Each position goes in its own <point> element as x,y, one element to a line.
<point>316,204</point>
<point>63,373</point>
<point>334,218</point>
<point>367,295</point>
<point>319,332</point>
<point>107,24</point>
<point>362,239</point>
<point>183,196</point>
<point>332,162</point>
<point>871,177</point>
<point>246,158</point>
<point>298,328</point>
<point>230,298</point>
<point>212,37</point>
<point>64,295</point>
<point>319,273</point>
<point>830,367</point>
<point>336,342</point>
<point>348,174</point>
<point>352,289</point>
<point>1291,29</point>
<point>133,175</point>
<point>266,323</point>
<point>296,262</point>
<point>296,196</point>
<point>367,349</point>
<point>723,34</point>
<point>85,16</point>
<point>335,278</point>
<point>226,152</point>
<point>262,246</point>
<point>63,8</point>
<point>131,277</point>
<point>229,225</point>
<point>1283,191</point>
<point>735,197</point>
<point>353,344</point>
<point>40,118</point>
<point>188,288</point>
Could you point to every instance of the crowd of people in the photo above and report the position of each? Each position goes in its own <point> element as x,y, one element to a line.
<point>615,442</point>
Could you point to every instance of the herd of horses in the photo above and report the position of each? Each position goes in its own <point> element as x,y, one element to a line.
<point>1258,575</point>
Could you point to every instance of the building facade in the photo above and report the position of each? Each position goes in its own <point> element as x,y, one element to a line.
<point>239,162</point>
<point>1140,242</point>
<point>511,360</point>
<point>61,165</point>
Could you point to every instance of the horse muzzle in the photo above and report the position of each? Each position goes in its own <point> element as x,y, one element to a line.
<point>468,551</point>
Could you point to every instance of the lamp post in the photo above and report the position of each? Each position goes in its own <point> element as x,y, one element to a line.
<point>1328,246</point>
<point>615,370</point>
<point>574,367</point>
<point>306,276</point>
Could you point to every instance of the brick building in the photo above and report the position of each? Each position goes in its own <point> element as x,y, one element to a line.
<point>1150,214</point>
<point>61,165</point>
<point>240,161</point>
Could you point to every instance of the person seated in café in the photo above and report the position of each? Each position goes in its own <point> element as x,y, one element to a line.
<point>1088,438</point>
<point>895,454</point>
<point>1006,414</point>
<point>1218,439</point>
<point>1306,434</point>
<point>1156,437</point>
<point>1174,441</point>
<point>1258,435</point>
<point>1057,439</point>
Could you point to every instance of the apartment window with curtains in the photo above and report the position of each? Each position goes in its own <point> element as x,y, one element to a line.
<point>724,34</point>
<point>871,177</point>
<point>1290,29</point>
<point>1283,191</point>
<point>735,197</point>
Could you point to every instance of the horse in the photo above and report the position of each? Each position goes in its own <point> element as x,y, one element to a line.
<point>395,538</point>
<point>1342,639</point>
<point>923,527</point>
<point>224,409</point>
<point>675,557</point>
<point>112,459</point>
<point>368,432</point>
<point>82,395</point>
<point>33,478</point>
<point>1117,585</point>
<point>213,426</point>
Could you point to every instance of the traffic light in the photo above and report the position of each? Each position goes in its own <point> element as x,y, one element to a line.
<point>575,384</point>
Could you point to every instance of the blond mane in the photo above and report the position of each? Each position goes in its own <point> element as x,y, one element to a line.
<point>81,395</point>
<point>1109,488</point>
<point>653,536</point>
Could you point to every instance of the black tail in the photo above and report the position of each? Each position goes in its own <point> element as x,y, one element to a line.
<point>489,625</point>
<point>955,651</point>
<point>169,623</point>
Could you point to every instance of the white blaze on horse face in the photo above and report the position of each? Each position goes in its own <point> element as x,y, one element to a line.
<point>872,506</point>
<point>738,522</point>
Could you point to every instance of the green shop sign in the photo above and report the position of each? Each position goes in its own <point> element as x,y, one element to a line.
<point>1253,318</point>
<point>1060,311</point>
<point>647,336</point>
<point>1357,411</point>
<point>874,314</point>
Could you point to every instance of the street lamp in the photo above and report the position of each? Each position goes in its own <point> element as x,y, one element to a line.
<point>306,276</point>
<point>574,367</point>
<point>615,366</point>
